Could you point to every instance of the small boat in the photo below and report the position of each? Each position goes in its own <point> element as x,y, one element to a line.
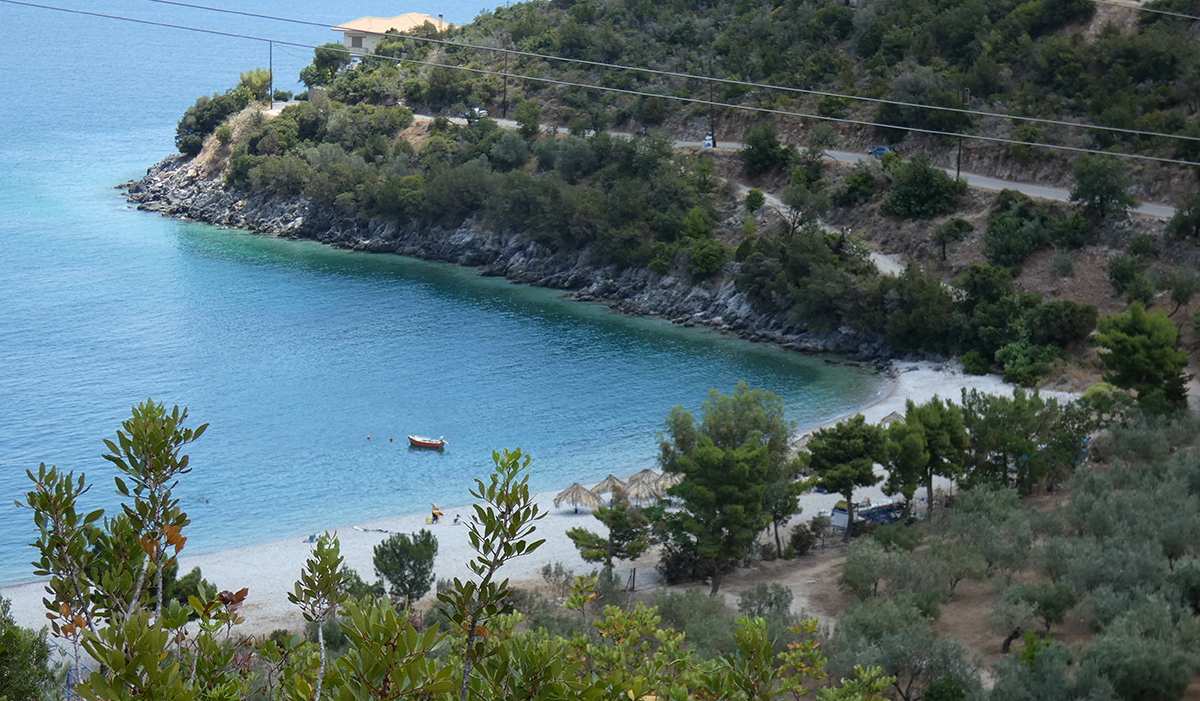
<point>423,442</point>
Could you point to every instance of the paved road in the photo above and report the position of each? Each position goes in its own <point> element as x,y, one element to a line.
<point>974,180</point>
<point>984,182</point>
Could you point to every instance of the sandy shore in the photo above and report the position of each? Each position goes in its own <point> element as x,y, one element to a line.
<point>271,569</point>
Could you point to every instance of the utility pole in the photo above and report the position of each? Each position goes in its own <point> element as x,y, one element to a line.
<point>966,97</point>
<point>504,109</point>
<point>712,127</point>
<point>270,75</point>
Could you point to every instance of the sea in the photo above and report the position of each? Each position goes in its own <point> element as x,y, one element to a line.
<point>309,365</point>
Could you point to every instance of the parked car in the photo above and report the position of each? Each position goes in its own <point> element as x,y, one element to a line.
<point>879,151</point>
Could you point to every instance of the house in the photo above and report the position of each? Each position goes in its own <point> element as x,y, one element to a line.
<point>362,35</point>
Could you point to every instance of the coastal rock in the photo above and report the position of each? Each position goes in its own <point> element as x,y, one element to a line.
<point>178,187</point>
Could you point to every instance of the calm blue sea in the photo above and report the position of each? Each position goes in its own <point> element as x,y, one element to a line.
<point>293,353</point>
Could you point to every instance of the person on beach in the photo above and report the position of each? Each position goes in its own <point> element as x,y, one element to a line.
<point>436,513</point>
<point>456,519</point>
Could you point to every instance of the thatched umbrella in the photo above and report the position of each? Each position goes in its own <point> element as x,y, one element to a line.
<point>646,475</point>
<point>892,418</point>
<point>577,495</point>
<point>610,484</point>
<point>643,490</point>
<point>669,479</point>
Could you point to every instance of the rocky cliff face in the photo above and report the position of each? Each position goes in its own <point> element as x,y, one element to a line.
<point>182,188</point>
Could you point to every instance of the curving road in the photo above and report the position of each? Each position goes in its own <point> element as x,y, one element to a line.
<point>974,180</point>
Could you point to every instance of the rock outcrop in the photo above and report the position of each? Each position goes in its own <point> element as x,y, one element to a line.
<point>180,188</point>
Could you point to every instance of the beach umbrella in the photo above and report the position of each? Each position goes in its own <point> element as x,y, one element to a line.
<point>892,418</point>
<point>577,495</point>
<point>646,475</point>
<point>609,484</point>
<point>643,490</point>
<point>669,479</point>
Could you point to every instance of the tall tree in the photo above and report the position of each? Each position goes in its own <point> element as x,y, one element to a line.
<point>929,443</point>
<point>1143,355</point>
<point>1101,185</point>
<point>843,457</point>
<point>722,492</point>
<point>407,564</point>
<point>749,416</point>
<point>628,534</point>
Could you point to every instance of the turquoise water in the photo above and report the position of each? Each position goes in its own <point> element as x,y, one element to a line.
<point>293,353</point>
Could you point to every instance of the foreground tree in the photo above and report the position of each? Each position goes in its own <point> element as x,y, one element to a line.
<point>406,562</point>
<point>843,458</point>
<point>1143,355</point>
<point>482,654</point>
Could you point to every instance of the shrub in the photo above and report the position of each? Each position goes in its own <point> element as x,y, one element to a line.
<point>1061,322</point>
<point>858,186</point>
<point>1025,363</point>
<point>224,134</point>
<point>707,257</point>
<point>1141,246</point>
<point>1072,231</point>
<point>801,540</point>
<point>706,621</point>
<point>1062,264</point>
<point>766,601</point>
<point>920,190</point>
<point>973,363</point>
<point>763,151</point>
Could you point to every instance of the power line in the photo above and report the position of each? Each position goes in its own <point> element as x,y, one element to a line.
<point>640,93</point>
<point>152,23</point>
<point>786,113</point>
<point>1141,8</point>
<point>728,81</point>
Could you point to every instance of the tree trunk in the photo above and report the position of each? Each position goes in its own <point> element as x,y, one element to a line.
<point>849,516</point>
<point>321,649</point>
<point>716,582</point>
<point>1009,641</point>
<point>928,496</point>
<point>778,542</point>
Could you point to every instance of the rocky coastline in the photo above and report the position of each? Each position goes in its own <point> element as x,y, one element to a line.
<point>185,189</point>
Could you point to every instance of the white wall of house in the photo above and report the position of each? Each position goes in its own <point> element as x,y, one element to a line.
<point>360,44</point>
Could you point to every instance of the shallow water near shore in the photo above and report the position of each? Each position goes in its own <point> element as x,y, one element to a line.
<point>292,352</point>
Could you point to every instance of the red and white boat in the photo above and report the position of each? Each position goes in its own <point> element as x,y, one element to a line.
<point>423,442</point>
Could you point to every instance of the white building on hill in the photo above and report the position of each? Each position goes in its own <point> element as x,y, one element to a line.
<point>362,35</point>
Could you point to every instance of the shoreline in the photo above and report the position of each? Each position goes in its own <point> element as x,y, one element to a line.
<point>270,569</point>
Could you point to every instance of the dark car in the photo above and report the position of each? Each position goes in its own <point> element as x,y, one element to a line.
<point>879,151</point>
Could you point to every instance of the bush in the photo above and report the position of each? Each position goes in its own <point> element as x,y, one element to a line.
<point>763,151</point>
<point>920,190</point>
<point>1025,363</point>
<point>802,540</point>
<point>1011,238</point>
<point>1062,264</point>
<point>973,363</point>
<point>706,621</point>
<point>707,257</point>
<point>858,186</point>
<point>1072,231</point>
<point>766,601</point>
